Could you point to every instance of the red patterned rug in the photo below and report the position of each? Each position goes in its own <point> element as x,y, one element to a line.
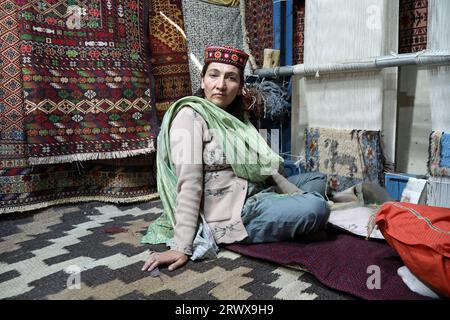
<point>413,25</point>
<point>13,152</point>
<point>24,186</point>
<point>11,101</point>
<point>259,25</point>
<point>299,31</point>
<point>169,59</point>
<point>86,79</point>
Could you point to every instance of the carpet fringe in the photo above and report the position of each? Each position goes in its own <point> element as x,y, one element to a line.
<point>91,156</point>
<point>111,199</point>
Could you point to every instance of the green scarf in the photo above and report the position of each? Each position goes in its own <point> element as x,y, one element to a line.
<point>245,149</point>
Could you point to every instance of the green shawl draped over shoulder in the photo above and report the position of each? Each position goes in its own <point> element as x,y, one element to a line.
<point>246,151</point>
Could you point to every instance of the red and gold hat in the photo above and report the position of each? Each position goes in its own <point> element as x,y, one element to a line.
<point>226,54</point>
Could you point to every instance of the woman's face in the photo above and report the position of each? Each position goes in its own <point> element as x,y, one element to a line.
<point>221,84</point>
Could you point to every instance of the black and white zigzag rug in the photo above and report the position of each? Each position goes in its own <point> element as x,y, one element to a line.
<point>93,251</point>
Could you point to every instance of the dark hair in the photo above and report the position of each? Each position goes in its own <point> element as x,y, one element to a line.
<point>236,107</point>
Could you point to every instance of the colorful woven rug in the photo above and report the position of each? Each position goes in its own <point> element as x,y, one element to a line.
<point>209,24</point>
<point>93,251</point>
<point>259,26</point>
<point>169,59</point>
<point>341,261</point>
<point>86,79</point>
<point>12,139</point>
<point>11,98</point>
<point>299,31</point>
<point>13,151</point>
<point>413,25</point>
<point>24,187</point>
<point>439,154</point>
<point>346,156</point>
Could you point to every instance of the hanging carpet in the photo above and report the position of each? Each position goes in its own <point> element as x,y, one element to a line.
<point>259,26</point>
<point>169,59</point>
<point>12,139</point>
<point>86,80</point>
<point>24,186</point>
<point>413,26</point>
<point>299,31</point>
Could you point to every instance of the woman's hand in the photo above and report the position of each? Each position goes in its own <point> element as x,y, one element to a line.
<point>176,259</point>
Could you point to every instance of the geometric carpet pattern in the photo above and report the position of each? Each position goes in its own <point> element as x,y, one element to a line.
<point>169,59</point>
<point>93,251</point>
<point>299,31</point>
<point>259,25</point>
<point>413,26</point>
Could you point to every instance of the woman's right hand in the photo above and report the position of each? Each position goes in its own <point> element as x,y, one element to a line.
<point>174,259</point>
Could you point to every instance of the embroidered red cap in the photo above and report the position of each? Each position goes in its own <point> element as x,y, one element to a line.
<point>226,54</point>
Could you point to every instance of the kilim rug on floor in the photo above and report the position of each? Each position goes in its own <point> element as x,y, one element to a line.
<point>413,26</point>
<point>93,251</point>
<point>341,261</point>
<point>169,59</point>
<point>346,156</point>
<point>86,79</point>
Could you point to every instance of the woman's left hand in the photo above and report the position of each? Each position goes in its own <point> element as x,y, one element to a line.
<point>176,259</point>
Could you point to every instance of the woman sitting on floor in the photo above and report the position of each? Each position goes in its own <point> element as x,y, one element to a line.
<point>210,195</point>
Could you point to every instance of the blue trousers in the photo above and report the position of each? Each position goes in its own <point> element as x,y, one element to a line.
<point>269,216</point>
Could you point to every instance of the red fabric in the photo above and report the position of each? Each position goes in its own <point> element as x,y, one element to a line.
<point>421,236</point>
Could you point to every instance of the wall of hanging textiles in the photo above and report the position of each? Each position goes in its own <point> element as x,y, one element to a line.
<point>68,94</point>
<point>360,100</point>
<point>169,59</point>
<point>210,24</point>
